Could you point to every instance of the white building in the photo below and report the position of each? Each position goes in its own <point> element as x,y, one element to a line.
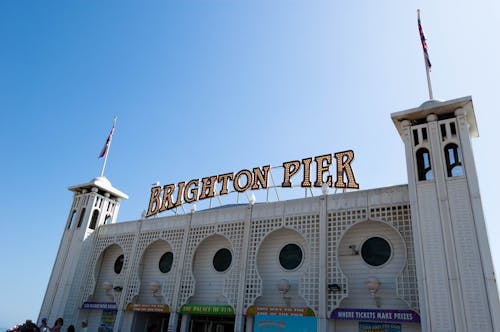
<point>405,258</point>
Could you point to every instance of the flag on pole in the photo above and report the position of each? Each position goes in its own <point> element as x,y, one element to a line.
<point>105,149</point>
<point>424,43</point>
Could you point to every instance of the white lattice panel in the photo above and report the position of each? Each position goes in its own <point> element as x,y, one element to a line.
<point>308,227</point>
<point>399,217</point>
<point>338,223</point>
<point>174,238</point>
<point>259,229</point>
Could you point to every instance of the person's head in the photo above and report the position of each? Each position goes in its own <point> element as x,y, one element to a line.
<point>44,321</point>
<point>84,323</point>
<point>59,322</point>
<point>71,328</point>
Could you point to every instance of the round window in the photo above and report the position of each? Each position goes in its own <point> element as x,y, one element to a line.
<point>376,251</point>
<point>165,264</point>
<point>290,256</point>
<point>222,260</point>
<point>119,264</point>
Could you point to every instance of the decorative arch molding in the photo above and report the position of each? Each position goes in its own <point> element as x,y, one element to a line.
<point>233,232</point>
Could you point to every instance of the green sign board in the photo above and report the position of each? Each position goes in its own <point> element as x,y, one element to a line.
<point>202,309</point>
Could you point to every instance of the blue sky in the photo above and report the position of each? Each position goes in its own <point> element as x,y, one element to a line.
<point>208,87</point>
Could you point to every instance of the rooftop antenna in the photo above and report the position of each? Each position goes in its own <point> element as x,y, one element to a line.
<point>427,61</point>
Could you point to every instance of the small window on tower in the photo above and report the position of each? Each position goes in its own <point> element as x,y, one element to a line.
<point>93,222</point>
<point>71,219</point>
<point>453,160</point>
<point>424,165</point>
<point>107,220</point>
<point>82,214</point>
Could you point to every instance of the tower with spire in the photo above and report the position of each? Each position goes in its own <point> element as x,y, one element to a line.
<point>456,281</point>
<point>95,203</point>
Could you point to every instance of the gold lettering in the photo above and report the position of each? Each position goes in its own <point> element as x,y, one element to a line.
<point>225,179</point>
<point>260,176</point>
<point>344,160</point>
<point>180,189</point>
<point>237,177</point>
<point>208,187</point>
<point>193,191</point>
<point>154,200</point>
<point>321,168</point>
<point>167,198</point>
<point>307,173</point>
<point>291,168</point>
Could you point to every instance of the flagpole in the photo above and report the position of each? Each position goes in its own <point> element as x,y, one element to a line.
<point>107,152</point>
<point>426,58</point>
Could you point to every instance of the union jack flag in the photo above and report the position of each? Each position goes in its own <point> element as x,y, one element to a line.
<point>424,43</point>
<point>105,149</point>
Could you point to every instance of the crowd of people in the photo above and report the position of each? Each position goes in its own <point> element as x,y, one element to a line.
<point>29,326</point>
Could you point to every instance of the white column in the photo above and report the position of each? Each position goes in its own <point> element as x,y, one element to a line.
<point>239,322</point>
<point>417,232</point>
<point>323,261</point>
<point>240,305</point>
<point>249,323</point>
<point>185,322</point>
<point>172,322</point>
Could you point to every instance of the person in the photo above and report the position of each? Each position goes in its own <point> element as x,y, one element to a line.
<point>29,326</point>
<point>57,325</point>
<point>44,327</point>
<point>71,328</point>
<point>84,325</point>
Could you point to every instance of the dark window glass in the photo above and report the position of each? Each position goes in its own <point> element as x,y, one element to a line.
<point>415,137</point>
<point>376,251</point>
<point>165,264</point>
<point>424,165</point>
<point>222,260</point>
<point>82,214</point>
<point>93,222</point>
<point>453,160</point>
<point>71,219</point>
<point>443,131</point>
<point>119,264</point>
<point>290,256</point>
<point>453,129</point>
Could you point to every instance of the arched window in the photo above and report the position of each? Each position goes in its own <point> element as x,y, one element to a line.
<point>424,165</point>
<point>93,222</point>
<point>453,160</point>
<point>82,214</point>
<point>108,219</point>
<point>71,219</point>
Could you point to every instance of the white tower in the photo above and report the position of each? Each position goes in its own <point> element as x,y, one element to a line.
<point>94,204</point>
<point>456,281</point>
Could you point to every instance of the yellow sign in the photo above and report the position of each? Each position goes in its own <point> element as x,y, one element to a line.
<point>171,196</point>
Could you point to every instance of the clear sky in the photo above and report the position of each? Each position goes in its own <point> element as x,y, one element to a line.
<point>207,87</point>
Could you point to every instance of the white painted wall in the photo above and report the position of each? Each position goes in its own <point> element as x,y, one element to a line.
<point>357,271</point>
<point>209,283</point>
<point>149,271</point>
<point>271,272</point>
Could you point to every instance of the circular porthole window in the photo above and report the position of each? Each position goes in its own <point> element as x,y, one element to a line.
<point>222,260</point>
<point>290,256</point>
<point>166,260</point>
<point>119,264</point>
<point>376,251</point>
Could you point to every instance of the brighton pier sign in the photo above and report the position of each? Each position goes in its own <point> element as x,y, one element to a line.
<point>162,198</point>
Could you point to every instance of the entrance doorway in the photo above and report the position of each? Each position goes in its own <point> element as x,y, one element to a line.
<point>206,323</point>
<point>150,322</point>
